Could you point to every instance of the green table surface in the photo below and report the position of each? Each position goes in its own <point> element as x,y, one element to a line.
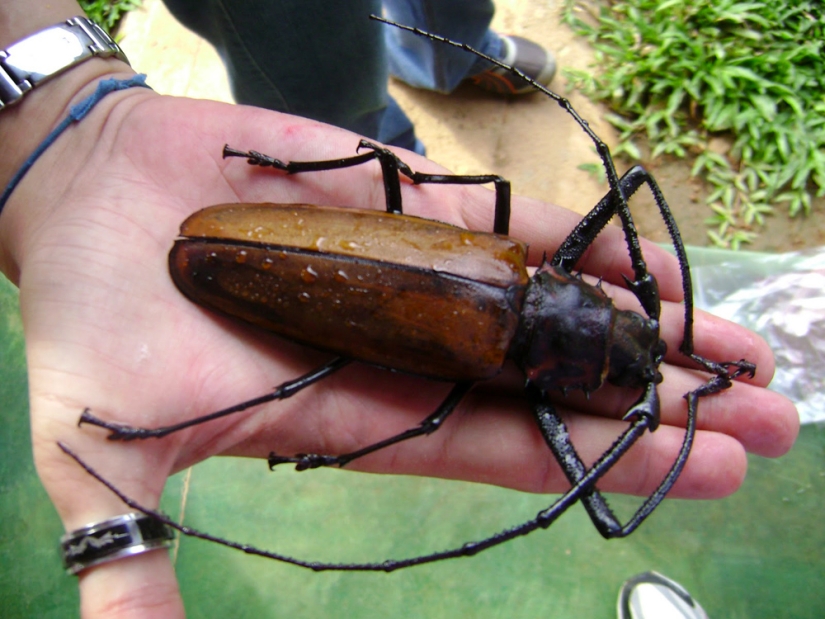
<point>758,553</point>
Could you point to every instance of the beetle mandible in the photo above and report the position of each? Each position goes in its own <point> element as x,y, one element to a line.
<point>383,276</point>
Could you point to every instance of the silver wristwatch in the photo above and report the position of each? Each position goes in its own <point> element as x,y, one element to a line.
<point>45,54</point>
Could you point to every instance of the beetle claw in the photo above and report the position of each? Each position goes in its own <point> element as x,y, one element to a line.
<point>117,431</point>
<point>646,406</point>
<point>274,460</point>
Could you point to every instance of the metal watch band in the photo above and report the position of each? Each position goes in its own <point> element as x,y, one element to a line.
<point>45,54</point>
<point>115,538</point>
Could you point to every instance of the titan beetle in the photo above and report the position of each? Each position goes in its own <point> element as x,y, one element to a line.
<point>439,301</point>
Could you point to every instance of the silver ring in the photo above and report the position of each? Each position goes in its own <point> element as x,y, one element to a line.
<point>115,538</point>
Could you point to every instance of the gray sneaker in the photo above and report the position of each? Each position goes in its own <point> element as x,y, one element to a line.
<point>653,596</point>
<point>528,57</point>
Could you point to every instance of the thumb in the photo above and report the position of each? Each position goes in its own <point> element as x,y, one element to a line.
<point>122,572</point>
<point>137,587</point>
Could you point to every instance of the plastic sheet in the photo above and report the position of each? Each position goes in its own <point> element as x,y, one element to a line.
<point>781,297</point>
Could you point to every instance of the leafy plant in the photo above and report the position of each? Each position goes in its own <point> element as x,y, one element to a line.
<point>737,84</point>
<point>107,13</point>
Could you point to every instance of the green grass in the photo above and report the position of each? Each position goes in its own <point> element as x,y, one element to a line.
<point>108,13</point>
<point>737,87</point>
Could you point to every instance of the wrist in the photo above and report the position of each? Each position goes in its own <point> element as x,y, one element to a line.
<point>29,63</point>
<point>24,125</point>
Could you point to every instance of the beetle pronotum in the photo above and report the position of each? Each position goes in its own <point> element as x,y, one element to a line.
<point>252,262</point>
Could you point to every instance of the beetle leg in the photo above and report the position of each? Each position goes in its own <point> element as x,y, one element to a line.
<point>616,188</point>
<point>501,223</point>
<point>557,438</point>
<point>123,432</point>
<point>714,385</point>
<point>255,158</point>
<point>391,166</point>
<point>555,434</point>
<point>543,519</point>
<point>432,423</point>
<point>571,250</point>
<point>644,287</point>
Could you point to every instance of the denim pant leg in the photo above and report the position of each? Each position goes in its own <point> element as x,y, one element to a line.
<point>436,66</point>
<point>323,59</point>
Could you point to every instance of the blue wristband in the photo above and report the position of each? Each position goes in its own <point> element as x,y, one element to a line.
<point>76,114</point>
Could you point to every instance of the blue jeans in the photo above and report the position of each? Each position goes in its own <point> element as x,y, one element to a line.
<point>324,59</point>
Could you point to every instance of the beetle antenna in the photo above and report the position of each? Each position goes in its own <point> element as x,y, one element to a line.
<point>601,148</point>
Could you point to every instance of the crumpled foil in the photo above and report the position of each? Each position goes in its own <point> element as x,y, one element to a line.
<point>781,297</point>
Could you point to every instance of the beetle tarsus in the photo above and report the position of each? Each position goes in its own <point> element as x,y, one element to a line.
<point>724,377</point>
<point>118,431</point>
<point>743,366</point>
<point>253,157</point>
<point>304,462</point>
<point>228,151</point>
<point>725,370</point>
<point>315,461</point>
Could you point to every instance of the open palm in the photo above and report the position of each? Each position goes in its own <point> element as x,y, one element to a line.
<point>106,329</point>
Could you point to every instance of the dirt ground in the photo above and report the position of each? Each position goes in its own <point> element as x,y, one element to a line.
<point>536,145</point>
<point>686,196</point>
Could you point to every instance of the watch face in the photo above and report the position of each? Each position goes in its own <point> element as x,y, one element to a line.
<point>45,53</point>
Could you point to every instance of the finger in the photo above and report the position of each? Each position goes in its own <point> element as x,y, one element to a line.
<point>482,445</point>
<point>139,586</point>
<point>716,339</point>
<point>491,439</point>
<point>715,468</point>
<point>764,422</point>
<point>545,226</point>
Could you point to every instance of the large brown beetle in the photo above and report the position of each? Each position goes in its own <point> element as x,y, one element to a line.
<point>366,285</point>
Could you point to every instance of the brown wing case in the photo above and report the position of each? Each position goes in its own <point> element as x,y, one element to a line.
<point>396,291</point>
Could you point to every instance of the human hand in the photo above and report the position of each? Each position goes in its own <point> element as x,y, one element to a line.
<point>93,222</point>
